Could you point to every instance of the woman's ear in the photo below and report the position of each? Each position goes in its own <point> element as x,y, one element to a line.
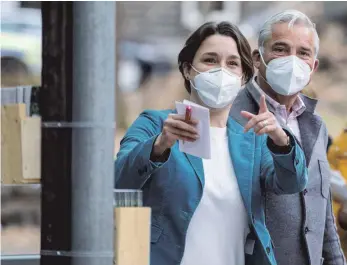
<point>256,58</point>
<point>186,70</point>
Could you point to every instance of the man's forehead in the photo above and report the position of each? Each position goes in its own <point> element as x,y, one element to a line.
<point>297,34</point>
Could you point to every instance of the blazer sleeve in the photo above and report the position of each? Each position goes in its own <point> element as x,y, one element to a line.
<point>284,173</point>
<point>133,166</point>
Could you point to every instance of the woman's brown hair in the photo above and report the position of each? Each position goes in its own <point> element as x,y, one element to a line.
<point>187,54</point>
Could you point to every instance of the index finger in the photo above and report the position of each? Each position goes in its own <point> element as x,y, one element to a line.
<point>263,106</point>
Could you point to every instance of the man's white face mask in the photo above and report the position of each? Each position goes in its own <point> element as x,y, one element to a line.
<point>287,75</point>
<point>217,87</point>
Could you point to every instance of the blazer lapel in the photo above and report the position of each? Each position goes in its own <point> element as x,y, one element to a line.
<point>241,147</point>
<point>196,163</point>
<point>247,99</point>
<point>309,125</point>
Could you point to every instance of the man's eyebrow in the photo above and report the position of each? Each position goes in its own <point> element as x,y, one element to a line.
<point>307,49</point>
<point>280,43</point>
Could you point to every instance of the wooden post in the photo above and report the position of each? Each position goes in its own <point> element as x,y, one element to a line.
<point>132,235</point>
<point>20,145</point>
<point>11,159</point>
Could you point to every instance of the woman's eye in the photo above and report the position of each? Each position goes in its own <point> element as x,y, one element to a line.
<point>209,60</point>
<point>233,63</point>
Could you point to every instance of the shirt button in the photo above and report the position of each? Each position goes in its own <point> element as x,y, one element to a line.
<point>305,191</point>
<point>306,230</point>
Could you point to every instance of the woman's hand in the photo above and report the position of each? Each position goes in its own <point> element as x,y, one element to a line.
<point>175,128</point>
<point>265,122</point>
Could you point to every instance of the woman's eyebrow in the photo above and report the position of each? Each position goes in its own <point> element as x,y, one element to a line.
<point>210,53</point>
<point>233,56</point>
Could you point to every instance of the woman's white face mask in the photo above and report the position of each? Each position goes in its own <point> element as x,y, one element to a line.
<point>287,75</point>
<point>217,87</point>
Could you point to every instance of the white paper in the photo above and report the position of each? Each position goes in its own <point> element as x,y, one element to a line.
<point>202,146</point>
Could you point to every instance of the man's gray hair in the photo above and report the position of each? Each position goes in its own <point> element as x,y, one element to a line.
<point>292,17</point>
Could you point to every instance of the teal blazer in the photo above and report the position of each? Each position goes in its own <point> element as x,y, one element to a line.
<point>174,188</point>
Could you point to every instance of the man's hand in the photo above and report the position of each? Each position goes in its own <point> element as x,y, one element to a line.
<point>265,123</point>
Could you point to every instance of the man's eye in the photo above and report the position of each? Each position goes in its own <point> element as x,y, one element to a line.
<point>304,53</point>
<point>279,49</point>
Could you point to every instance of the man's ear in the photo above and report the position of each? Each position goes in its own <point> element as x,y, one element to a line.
<point>315,65</point>
<point>186,70</point>
<point>256,58</point>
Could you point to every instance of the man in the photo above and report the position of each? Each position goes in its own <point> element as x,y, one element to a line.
<point>302,225</point>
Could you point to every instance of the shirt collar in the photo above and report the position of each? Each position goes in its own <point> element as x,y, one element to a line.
<point>269,99</point>
<point>297,109</point>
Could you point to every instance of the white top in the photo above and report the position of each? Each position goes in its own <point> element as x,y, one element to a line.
<point>218,229</point>
<point>281,114</point>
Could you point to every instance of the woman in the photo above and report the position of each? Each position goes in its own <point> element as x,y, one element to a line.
<point>210,211</point>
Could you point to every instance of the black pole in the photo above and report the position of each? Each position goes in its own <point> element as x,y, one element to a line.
<point>55,103</point>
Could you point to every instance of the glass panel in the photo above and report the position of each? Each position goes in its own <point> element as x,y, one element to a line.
<point>20,219</point>
<point>21,31</point>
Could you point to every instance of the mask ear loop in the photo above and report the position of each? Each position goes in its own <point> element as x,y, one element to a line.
<point>190,81</point>
<point>261,49</point>
<point>262,58</point>
<point>313,65</point>
<point>195,69</point>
